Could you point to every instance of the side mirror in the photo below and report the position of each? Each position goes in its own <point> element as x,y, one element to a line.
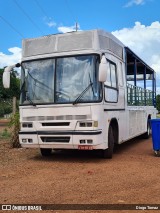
<point>6,75</point>
<point>103,69</point>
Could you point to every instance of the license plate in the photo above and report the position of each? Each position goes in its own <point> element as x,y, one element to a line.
<point>85,147</point>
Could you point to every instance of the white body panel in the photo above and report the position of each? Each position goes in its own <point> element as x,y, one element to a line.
<point>62,114</point>
<point>131,122</point>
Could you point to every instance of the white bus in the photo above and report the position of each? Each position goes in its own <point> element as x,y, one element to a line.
<point>83,90</point>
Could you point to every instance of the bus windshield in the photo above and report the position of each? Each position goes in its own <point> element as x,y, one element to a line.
<point>60,80</point>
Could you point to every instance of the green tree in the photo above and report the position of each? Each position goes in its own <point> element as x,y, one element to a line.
<point>6,95</point>
<point>158,102</point>
<point>14,89</point>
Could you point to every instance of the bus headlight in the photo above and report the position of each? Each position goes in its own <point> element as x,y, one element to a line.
<point>24,140</point>
<point>95,123</point>
<point>88,124</point>
<point>27,140</point>
<point>27,125</point>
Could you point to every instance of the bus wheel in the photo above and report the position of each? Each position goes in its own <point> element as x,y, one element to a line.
<point>46,152</point>
<point>147,134</point>
<point>107,153</point>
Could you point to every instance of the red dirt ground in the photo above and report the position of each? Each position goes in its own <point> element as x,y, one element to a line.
<point>74,177</point>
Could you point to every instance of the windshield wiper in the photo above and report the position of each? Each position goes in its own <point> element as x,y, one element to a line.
<point>28,99</point>
<point>91,84</point>
<point>82,93</point>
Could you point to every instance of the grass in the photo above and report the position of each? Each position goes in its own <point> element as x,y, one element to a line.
<point>5,134</point>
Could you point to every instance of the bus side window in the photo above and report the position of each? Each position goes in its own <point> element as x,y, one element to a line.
<point>110,85</point>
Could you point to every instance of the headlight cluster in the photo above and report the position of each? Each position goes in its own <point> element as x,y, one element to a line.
<point>27,125</point>
<point>88,124</point>
<point>27,140</point>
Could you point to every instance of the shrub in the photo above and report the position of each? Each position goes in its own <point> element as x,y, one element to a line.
<point>1,111</point>
<point>5,107</point>
<point>15,125</point>
<point>5,134</point>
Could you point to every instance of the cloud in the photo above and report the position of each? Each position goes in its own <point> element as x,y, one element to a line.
<point>145,42</point>
<point>134,2</point>
<point>49,22</point>
<point>66,29</point>
<point>12,58</point>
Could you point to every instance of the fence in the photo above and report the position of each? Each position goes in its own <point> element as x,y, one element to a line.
<point>137,96</point>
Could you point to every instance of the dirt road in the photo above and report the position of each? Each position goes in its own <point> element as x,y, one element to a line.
<point>131,177</point>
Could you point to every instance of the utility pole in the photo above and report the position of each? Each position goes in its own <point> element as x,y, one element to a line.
<point>76,26</point>
<point>14,105</point>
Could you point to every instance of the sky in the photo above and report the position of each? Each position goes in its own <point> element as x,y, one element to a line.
<point>135,22</point>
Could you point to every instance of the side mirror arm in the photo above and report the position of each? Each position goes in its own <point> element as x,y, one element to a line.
<point>6,75</point>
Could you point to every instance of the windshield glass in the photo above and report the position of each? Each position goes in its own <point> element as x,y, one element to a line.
<point>60,80</point>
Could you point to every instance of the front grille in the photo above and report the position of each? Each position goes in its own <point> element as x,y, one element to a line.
<point>56,124</point>
<point>58,117</point>
<point>55,139</point>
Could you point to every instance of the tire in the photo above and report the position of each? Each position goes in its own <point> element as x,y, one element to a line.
<point>157,153</point>
<point>147,134</point>
<point>46,152</point>
<point>108,153</point>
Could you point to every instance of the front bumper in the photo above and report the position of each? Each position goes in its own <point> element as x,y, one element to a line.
<point>61,139</point>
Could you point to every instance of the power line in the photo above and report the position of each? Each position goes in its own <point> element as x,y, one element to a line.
<point>42,10</point>
<point>71,12</point>
<point>11,26</point>
<point>23,11</point>
<point>48,20</point>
